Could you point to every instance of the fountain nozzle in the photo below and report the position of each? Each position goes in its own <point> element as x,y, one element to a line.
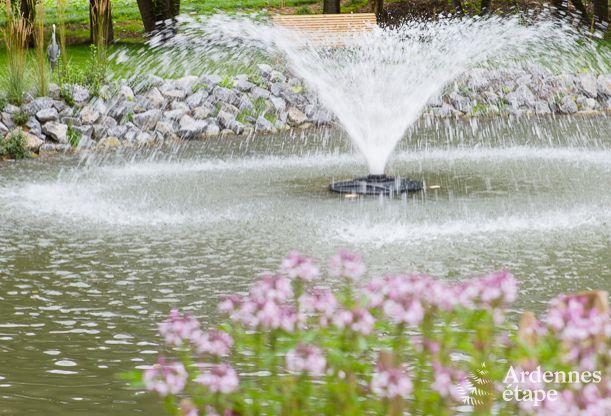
<point>378,184</point>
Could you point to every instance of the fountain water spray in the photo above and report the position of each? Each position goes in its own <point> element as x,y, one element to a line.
<point>378,82</point>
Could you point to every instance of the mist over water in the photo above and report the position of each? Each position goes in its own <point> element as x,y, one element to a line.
<point>378,82</point>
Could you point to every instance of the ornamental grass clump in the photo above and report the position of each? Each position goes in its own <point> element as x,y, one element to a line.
<point>397,344</point>
<point>41,56</point>
<point>15,32</point>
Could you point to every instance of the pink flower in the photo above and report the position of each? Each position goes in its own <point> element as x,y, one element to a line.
<point>272,288</point>
<point>231,304</point>
<point>165,378</point>
<point>178,328</point>
<point>212,342</point>
<point>306,359</point>
<point>346,264</point>
<point>410,312</point>
<point>497,289</point>
<point>449,382</point>
<point>296,266</point>
<point>358,320</point>
<point>188,408</point>
<point>221,378</point>
<point>320,301</point>
<point>391,383</point>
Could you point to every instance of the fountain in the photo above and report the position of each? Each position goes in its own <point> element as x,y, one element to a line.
<point>378,82</point>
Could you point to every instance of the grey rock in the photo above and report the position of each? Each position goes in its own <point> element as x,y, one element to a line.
<point>7,120</point>
<point>246,105</point>
<point>567,105</point>
<point>144,139</point>
<point>107,121</point>
<point>202,112</point>
<point>522,96</point>
<point>37,104</point>
<point>585,103</point>
<point>294,98</point>
<point>117,131</point>
<point>320,117</point>
<point>131,135</point>
<point>58,132</point>
<point>99,131</point>
<point>460,102</point>
<point>296,117</point>
<point>587,85</point>
<point>231,109</point>
<point>265,70</point>
<point>80,94</point>
<point>109,142</point>
<point>603,85</point>
<point>33,142</point>
<point>276,76</point>
<point>85,142</point>
<point>191,128</point>
<point>71,121</point>
<point>264,125</point>
<point>278,103</point>
<point>126,93</point>
<point>54,91</point>
<point>148,119</point>
<point>435,101</point>
<point>213,130</point>
<point>196,99</point>
<point>84,131</point>
<point>186,84</point>
<point>166,128</point>
<point>542,107</point>
<point>178,105</point>
<point>154,99</point>
<point>225,95</point>
<point>89,114</point>
<point>11,109</point>
<point>258,92</point>
<point>210,81</point>
<point>34,126</point>
<point>174,94</point>
<point>444,111</point>
<point>3,130</point>
<point>60,105</point>
<point>278,88</point>
<point>243,85</point>
<point>226,119</point>
<point>174,115</point>
<point>54,148</point>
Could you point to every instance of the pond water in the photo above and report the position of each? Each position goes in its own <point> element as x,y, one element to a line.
<point>95,249</point>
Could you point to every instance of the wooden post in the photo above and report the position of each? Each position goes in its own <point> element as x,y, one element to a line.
<point>331,7</point>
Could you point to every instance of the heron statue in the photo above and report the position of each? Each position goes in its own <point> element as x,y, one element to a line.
<point>53,52</point>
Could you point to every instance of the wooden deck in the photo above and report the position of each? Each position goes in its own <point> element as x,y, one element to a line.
<point>327,29</point>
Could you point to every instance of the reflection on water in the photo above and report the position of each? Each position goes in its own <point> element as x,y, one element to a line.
<point>95,250</point>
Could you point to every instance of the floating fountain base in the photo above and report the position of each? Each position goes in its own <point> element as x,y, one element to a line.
<point>376,185</point>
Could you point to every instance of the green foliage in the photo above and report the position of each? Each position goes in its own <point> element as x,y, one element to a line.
<point>227,82</point>
<point>20,118</point>
<point>74,137</point>
<point>97,70</point>
<point>15,146</point>
<point>303,10</point>
<point>15,32</point>
<point>65,92</point>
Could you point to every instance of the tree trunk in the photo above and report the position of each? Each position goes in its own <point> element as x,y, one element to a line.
<point>100,21</point>
<point>485,7</point>
<point>155,12</point>
<point>377,6</point>
<point>583,12</point>
<point>331,7</point>
<point>458,6</point>
<point>601,15</point>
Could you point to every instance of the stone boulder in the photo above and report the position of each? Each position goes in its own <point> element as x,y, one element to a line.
<point>57,132</point>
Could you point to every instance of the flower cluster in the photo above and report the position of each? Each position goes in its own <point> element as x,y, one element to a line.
<point>306,359</point>
<point>221,378</point>
<point>391,382</point>
<point>165,378</point>
<point>305,350</point>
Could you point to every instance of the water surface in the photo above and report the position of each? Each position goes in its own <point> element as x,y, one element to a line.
<point>95,250</point>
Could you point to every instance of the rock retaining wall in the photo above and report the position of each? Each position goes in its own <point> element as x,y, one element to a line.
<point>153,109</point>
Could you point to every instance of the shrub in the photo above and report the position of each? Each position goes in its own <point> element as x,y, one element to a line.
<point>74,137</point>
<point>15,145</point>
<point>41,56</point>
<point>400,343</point>
<point>16,31</point>
<point>20,118</point>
